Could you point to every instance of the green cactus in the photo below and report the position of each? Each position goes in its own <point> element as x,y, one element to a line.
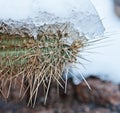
<point>37,61</point>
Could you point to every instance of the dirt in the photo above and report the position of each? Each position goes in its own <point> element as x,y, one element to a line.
<point>63,103</point>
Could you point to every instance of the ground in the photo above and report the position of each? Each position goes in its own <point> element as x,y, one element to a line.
<point>103,98</point>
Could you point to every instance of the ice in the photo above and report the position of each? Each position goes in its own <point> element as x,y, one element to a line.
<point>81,13</point>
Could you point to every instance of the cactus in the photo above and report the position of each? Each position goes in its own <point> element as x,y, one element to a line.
<point>38,61</point>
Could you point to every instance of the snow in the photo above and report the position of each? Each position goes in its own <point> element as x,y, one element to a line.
<point>106,62</point>
<point>81,14</point>
<point>15,9</point>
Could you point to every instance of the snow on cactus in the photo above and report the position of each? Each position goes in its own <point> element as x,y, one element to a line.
<point>40,48</point>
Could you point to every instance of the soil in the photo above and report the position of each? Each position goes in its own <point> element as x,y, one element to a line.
<point>61,103</point>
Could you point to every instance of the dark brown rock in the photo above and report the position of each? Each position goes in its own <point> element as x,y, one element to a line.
<point>102,93</point>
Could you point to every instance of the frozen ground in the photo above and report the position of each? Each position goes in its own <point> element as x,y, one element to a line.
<point>105,63</point>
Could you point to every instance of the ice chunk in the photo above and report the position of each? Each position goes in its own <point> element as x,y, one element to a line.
<point>81,13</point>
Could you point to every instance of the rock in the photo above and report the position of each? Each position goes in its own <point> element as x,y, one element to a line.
<point>102,93</point>
<point>100,110</point>
<point>63,103</point>
<point>117,7</point>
